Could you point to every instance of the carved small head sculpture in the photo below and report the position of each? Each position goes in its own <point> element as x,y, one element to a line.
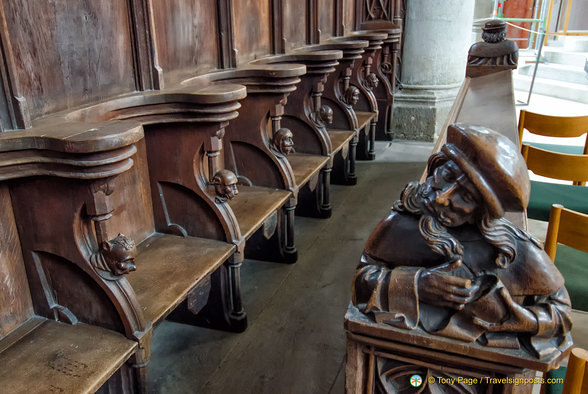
<point>284,141</point>
<point>326,114</point>
<point>225,185</point>
<point>351,95</point>
<point>119,254</point>
<point>372,81</point>
<point>494,31</point>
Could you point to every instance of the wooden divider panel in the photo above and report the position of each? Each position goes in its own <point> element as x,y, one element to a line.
<point>15,299</point>
<point>252,28</point>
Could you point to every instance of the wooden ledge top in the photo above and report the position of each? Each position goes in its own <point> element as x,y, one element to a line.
<point>340,138</point>
<point>342,45</point>
<point>168,267</point>
<point>363,118</point>
<point>356,323</point>
<point>57,357</point>
<point>305,166</point>
<point>302,56</point>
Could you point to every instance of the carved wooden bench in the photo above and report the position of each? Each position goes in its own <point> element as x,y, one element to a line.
<point>362,82</point>
<point>307,118</point>
<point>385,67</point>
<point>46,343</point>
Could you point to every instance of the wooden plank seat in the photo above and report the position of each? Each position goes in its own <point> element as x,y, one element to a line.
<point>306,117</point>
<point>365,80</point>
<point>334,97</point>
<point>48,356</point>
<point>385,67</point>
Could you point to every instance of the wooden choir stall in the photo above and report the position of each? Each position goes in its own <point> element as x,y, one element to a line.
<point>149,146</point>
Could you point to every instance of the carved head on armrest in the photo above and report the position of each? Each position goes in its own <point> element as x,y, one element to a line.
<point>284,141</point>
<point>116,256</point>
<point>495,53</point>
<point>372,81</point>
<point>326,114</point>
<point>225,185</point>
<point>351,95</point>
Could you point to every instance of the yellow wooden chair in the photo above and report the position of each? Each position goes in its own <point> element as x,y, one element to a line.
<point>560,166</point>
<point>554,126</point>
<point>576,375</point>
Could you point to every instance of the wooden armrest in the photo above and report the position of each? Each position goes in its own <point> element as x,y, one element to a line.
<point>168,267</point>
<point>254,205</point>
<point>49,356</point>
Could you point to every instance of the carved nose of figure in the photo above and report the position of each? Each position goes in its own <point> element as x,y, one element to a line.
<point>443,196</point>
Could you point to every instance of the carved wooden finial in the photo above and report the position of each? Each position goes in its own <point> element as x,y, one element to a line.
<point>495,53</point>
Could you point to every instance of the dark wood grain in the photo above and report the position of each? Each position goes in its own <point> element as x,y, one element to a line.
<point>296,18</point>
<point>15,299</point>
<point>186,37</point>
<point>69,53</point>
<point>252,29</point>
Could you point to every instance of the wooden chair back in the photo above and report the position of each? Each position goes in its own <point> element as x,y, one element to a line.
<point>553,126</point>
<point>556,165</point>
<point>576,379</point>
<point>566,227</point>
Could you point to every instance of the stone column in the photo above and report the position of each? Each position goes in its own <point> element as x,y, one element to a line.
<point>437,39</point>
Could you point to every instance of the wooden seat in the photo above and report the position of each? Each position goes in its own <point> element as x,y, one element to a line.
<point>48,356</point>
<point>570,229</point>
<point>557,166</point>
<point>555,126</point>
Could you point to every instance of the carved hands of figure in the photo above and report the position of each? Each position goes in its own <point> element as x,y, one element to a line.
<point>225,185</point>
<point>326,114</point>
<point>351,95</point>
<point>116,256</point>
<point>372,81</point>
<point>436,286</point>
<point>284,141</point>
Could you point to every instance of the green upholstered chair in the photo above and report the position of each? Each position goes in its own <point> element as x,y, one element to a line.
<point>554,126</point>
<point>573,168</point>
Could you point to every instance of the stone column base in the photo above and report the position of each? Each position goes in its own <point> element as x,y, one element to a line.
<point>420,112</point>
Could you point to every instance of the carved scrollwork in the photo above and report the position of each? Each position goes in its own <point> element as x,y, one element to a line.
<point>115,257</point>
<point>284,141</point>
<point>225,185</point>
<point>386,67</point>
<point>377,9</point>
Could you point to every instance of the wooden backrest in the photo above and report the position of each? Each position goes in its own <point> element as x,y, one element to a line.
<point>62,54</point>
<point>556,165</point>
<point>15,299</point>
<point>553,126</point>
<point>566,227</point>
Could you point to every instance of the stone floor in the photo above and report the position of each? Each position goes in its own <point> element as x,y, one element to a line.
<point>295,341</point>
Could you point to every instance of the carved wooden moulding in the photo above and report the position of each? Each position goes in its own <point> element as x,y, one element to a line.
<point>495,53</point>
<point>447,271</point>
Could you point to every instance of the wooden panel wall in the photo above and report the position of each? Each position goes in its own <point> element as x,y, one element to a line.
<point>296,22</point>
<point>15,298</point>
<point>326,18</point>
<point>65,53</point>
<point>186,37</point>
<point>252,26</point>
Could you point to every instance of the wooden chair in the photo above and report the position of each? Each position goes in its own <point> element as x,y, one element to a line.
<point>555,126</point>
<point>570,229</point>
<point>557,166</point>
<point>576,375</point>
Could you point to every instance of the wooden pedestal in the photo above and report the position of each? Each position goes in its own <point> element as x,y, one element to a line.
<point>381,358</point>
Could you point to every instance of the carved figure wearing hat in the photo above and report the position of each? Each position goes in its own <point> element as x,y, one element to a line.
<point>495,50</point>
<point>448,262</point>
